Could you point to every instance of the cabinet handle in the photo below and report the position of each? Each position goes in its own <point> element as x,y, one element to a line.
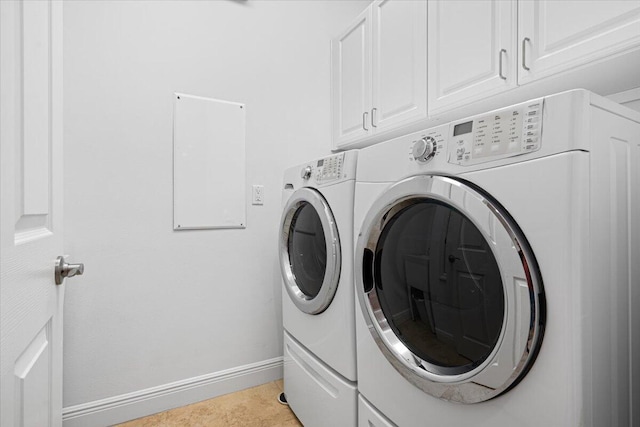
<point>364,118</point>
<point>502,52</point>
<point>524,51</point>
<point>372,117</point>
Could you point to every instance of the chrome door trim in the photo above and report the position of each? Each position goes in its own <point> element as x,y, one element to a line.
<point>320,302</point>
<point>515,350</point>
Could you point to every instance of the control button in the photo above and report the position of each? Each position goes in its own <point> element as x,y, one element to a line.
<point>424,149</point>
<point>306,173</point>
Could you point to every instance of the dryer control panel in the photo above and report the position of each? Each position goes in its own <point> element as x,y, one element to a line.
<point>329,168</point>
<point>496,135</point>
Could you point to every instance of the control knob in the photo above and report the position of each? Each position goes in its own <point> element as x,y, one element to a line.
<point>306,172</point>
<point>424,149</point>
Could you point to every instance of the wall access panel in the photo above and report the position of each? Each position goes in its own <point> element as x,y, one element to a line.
<point>208,163</point>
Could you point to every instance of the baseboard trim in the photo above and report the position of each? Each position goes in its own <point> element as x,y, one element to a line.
<point>125,407</point>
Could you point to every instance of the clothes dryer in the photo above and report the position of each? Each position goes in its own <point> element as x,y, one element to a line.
<point>497,269</point>
<point>318,299</point>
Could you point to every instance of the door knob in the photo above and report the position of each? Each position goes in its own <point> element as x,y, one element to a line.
<point>63,269</point>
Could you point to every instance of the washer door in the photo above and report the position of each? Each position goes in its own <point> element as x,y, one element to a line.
<point>309,251</point>
<point>449,288</point>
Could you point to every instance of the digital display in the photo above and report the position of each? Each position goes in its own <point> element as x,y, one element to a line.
<point>320,162</point>
<point>462,128</point>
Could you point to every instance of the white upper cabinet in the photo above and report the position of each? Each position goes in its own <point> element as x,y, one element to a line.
<point>472,46</point>
<point>399,63</point>
<point>351,80</point>
<point>558,35</point>
<point>405,64</point>
<point>379,71</point>
<point>479,48</point>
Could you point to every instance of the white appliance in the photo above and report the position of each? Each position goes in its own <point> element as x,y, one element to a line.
<point>318,299</point>
<point>497,270</point>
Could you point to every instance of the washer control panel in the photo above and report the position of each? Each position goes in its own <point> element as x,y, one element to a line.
<point>426,146</point>
<point>500,134</point>
<point>329,168</point>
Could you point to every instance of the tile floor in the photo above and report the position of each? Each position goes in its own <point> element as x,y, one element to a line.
<point>253,407</point>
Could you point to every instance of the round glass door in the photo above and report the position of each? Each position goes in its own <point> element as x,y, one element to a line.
<point>439,286</point>
<point>309,251</point>
<point>449,288</point>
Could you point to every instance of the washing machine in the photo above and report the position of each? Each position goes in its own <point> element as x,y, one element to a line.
<point>497,269</point>
<point>318,297</point>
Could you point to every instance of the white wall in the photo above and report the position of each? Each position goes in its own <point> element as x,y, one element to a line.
<point>157,306</point>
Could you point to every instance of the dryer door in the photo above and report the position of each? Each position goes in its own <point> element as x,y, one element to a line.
<point>449,288</point>
<point>309,251</point>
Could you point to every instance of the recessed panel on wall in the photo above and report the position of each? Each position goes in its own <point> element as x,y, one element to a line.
<point>208,163</point>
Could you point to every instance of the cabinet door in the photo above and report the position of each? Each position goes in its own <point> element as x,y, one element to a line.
<point>472,51</point>
<point>351,81</point>
<point>399,63</point>
<point>558,35</point>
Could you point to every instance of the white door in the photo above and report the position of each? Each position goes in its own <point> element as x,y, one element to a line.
<point>472,51</point>
<point>558,35</point>
<point>351,81</point>
<point>31,212</point>
<point>399,63</point>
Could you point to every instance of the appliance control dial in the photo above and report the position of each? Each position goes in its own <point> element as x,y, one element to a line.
<point>306,173</point>
<point>424,149</point>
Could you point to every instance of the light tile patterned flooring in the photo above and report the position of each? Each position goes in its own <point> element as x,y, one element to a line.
<point>253,407</point>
